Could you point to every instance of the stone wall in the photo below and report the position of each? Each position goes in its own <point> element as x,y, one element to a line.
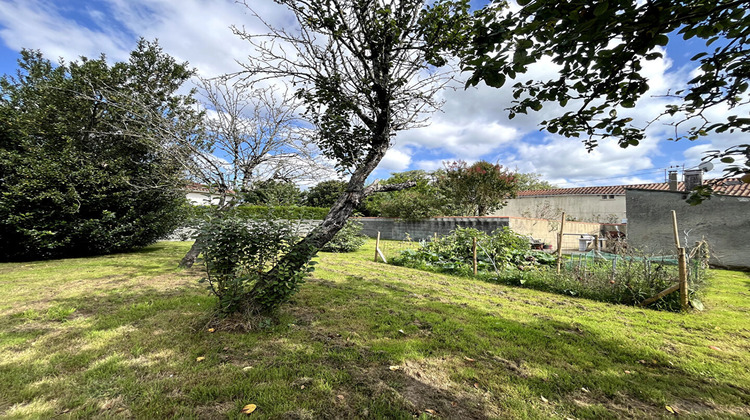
<point>301,227</point>
<point>397,229</point>
<point>539,229</point>
<point>724,222</point>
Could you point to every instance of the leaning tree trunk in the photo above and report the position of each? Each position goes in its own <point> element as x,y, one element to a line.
<point>192,255</point>
<point>189,259</point>
<point>302,252</point>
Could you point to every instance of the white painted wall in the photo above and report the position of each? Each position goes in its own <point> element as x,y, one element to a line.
<point>202,199</point>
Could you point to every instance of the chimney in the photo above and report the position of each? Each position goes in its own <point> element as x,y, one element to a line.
<point>672,180</point>
<point>693,178</point>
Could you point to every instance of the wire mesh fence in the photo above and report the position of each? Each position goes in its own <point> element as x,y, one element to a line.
<point>391,248</point>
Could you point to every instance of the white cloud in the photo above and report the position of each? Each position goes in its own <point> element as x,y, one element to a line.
<point>41,25</point>
<point>561,159</point>
<point>395,161</point>
<point>197,31</point>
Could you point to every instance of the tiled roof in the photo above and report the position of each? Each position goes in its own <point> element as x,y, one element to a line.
<point>732,187</point>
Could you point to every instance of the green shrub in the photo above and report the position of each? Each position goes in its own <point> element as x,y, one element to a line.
<point>238,252</point>
<point>503,257</point>
<point>348,239</point>
<point>500,250</point>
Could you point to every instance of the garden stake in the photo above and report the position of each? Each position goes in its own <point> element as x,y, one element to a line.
<point>683,278</point>
<point>559,242</point>
<point>474,249</point>
<point>682,264</point>
<point>377,247</point>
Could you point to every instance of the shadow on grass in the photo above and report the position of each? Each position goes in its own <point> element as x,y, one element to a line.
<point>137,354</point>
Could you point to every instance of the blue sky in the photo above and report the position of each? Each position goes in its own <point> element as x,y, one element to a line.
<point>471,126</point>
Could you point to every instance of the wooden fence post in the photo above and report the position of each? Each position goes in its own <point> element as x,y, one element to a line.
<point>682,264</point>
<point>682,261</point>
<point>560,242</point>
<point>474,249</point>
<point>676,232</point>
<point>377,247</point>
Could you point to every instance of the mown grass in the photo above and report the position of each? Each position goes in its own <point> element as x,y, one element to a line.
<point>120,337</point>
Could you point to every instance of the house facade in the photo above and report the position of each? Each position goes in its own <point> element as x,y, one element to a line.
<point>587,204</point>
<point>201,195</point>
<point>606,204</point>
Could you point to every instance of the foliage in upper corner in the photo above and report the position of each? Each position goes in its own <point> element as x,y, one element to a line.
<point>238,252</point>
<point>86,157</point>
<point>601,48</point>
<point>348,239</point>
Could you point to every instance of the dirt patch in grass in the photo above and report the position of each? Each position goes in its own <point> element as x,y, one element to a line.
<point>214,411</point>
<point>425,387</point>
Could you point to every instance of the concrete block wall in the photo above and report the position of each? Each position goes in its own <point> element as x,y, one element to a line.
<point>397,229</point>
<point>723,221</point>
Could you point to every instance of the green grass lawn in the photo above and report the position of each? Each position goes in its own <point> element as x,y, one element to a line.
<point>124,336</point>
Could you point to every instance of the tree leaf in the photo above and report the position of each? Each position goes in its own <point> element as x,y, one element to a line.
<point>601,8</point>
<point>248,409</point>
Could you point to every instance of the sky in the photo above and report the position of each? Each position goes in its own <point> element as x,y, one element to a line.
<point>472,124</point>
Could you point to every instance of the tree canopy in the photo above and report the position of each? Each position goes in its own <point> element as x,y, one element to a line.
<point>477,189</point>
<point>325,193</point>
<point>273,192</point>
<point>425,199</point>
<point>82,169</point>
<point>601,47</point>
<point>532,181</point>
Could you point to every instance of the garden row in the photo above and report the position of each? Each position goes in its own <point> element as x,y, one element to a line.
<point>506,257</point>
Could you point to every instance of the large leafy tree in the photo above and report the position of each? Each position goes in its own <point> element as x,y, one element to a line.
<point>325,193</point>
<point>477,189</point>
<point>425,199</point>
<point>601,47</point>
<point>82,171</point>
<point>532,181</point>
<point>360,66</point>
<point>273,192</point>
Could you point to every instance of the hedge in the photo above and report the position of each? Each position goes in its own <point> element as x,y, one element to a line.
<point>277,212</point>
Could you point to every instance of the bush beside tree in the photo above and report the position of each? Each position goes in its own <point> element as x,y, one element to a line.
<point>348,239</point>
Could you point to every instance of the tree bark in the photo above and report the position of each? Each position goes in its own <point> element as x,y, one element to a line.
<point>189,259</point>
